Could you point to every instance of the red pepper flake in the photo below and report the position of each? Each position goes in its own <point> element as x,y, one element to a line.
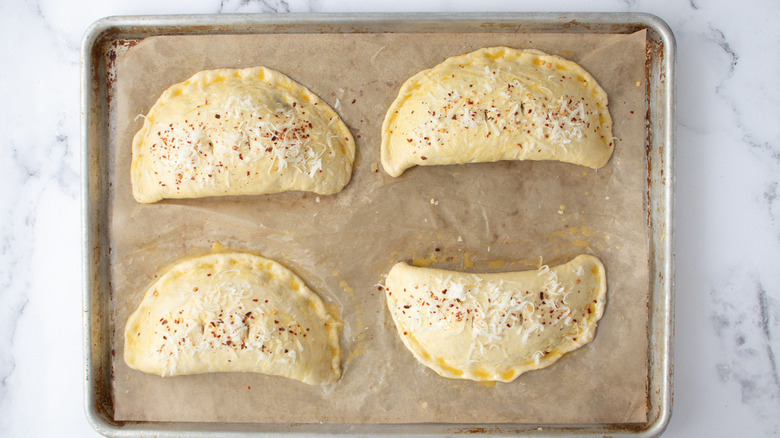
<point>354,100</point>
<point>424,158</point>
<point>216,116</point>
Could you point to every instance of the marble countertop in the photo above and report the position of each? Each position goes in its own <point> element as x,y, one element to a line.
<point>727,217</point>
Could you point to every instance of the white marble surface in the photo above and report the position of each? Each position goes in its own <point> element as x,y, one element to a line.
<point>727,376</point>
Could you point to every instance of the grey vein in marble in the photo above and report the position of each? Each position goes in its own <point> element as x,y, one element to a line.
<point>749,347</point>
<point>717,36</point>
<point>765,323</point>
<point>245,6</point>
<point>772,206</point>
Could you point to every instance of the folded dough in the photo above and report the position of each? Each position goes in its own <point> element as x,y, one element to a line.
<point>239,132</point>
<point>233,312</point>
<point>498,103</point>
<point>495,327</point>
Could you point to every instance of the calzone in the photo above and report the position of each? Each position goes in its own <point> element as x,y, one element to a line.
<point>498,103</point>
<point>495,327</point>
<point>239,132</point>
<point>233,312</point>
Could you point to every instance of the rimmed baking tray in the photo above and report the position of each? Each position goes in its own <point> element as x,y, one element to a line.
<point>108,38</point>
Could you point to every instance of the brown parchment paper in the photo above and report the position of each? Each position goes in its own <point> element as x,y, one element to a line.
<point>478,218</point>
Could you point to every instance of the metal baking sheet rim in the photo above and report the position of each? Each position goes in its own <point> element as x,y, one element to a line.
<point>659,198</point>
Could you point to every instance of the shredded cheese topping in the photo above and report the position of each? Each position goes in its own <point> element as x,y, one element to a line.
<point>225,322</point>
<point>217,138</point>
<point>501,106</point>
<point>490,310</point>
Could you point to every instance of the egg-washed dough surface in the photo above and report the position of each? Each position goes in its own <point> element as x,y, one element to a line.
<point>233,312</point>
<point>495,327</point>
<point>239,132</point>
<point>498,103</point>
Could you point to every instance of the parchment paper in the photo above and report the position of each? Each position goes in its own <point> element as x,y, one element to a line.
<point>478,218</point>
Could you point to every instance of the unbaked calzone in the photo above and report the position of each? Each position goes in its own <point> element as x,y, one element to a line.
<point>495,327</point>
<point>239,132</point>
<point>498,103</point>
<point>233,312</point>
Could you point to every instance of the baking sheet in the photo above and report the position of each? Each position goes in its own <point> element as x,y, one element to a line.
<point>485,217</point>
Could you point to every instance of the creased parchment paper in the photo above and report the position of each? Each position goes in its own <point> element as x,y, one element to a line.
<point>478,218</point>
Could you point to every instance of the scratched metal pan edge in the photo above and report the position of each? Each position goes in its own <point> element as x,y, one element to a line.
<point>98,401</point>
